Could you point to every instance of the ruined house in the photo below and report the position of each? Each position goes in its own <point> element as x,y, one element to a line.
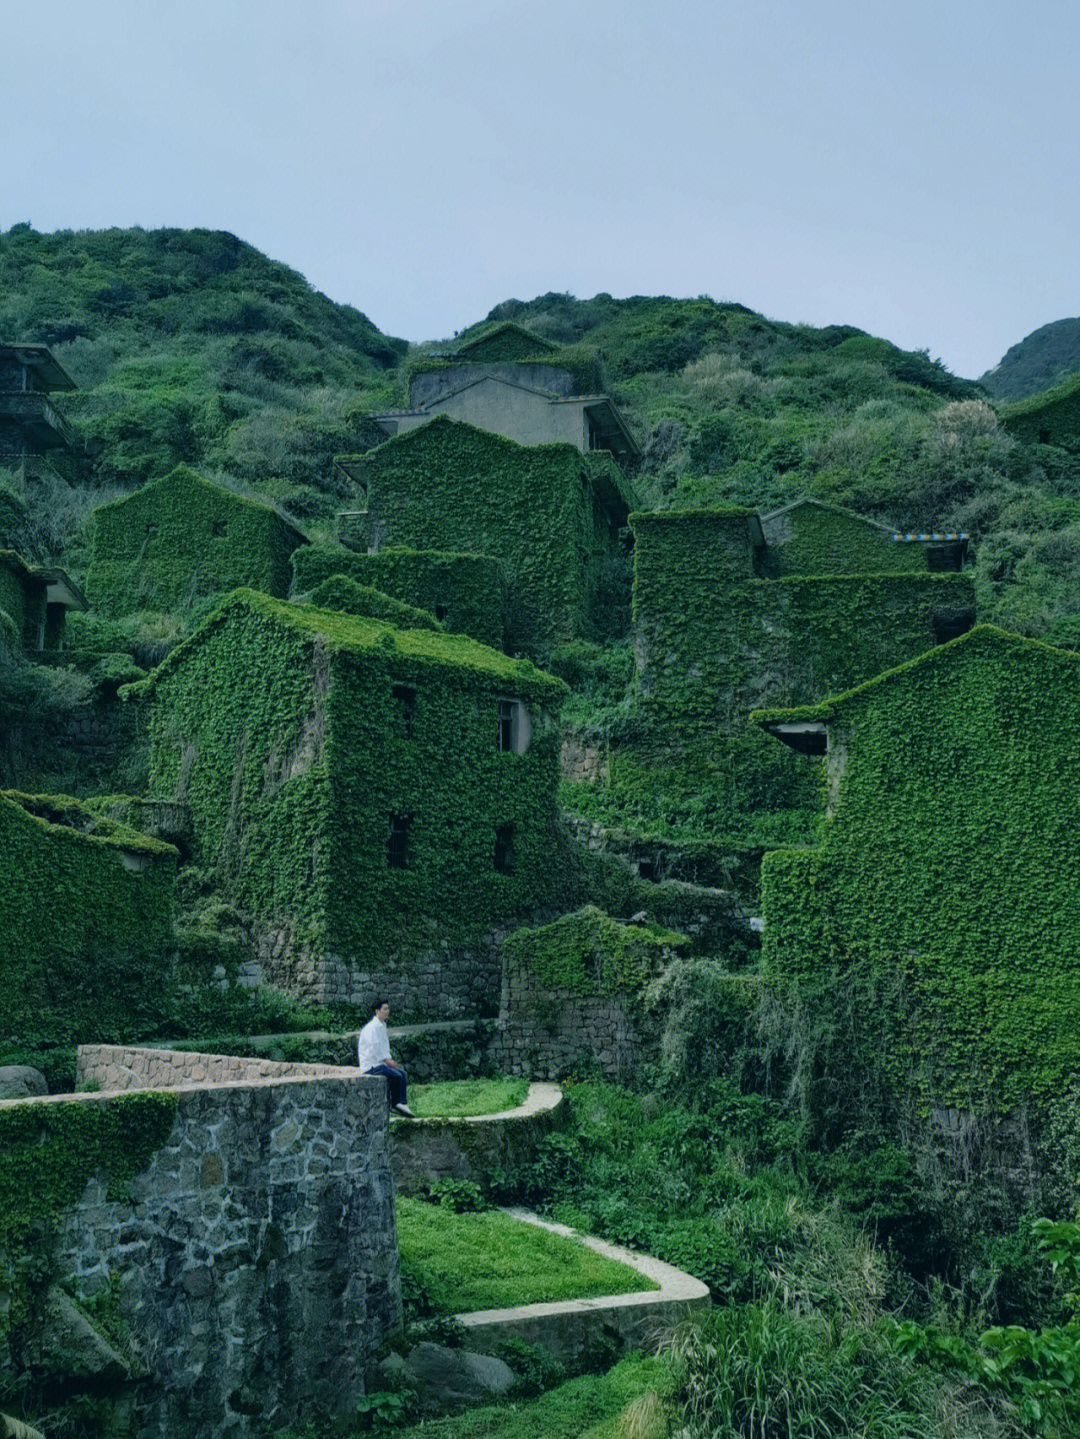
<point>377,800</point>
<point>734,611</point>
<point>938,919</point>
<point>179,539</point>
<point>34,601</point>
<point>521,386</point>
<point>33,432</point>
<point>551,516</point>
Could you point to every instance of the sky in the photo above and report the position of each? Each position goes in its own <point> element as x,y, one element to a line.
<point>911,169</point>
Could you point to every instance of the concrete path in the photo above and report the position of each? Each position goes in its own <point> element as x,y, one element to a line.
<point>540,1098</point>
<point>572,1326</point>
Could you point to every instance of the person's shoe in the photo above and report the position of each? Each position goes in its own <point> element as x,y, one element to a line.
<point>405,1110</point>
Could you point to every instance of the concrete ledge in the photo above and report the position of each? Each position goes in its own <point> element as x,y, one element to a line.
<point>423,1151</point>
<point>573,1327</point>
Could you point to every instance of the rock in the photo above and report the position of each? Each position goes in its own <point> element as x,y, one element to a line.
<point>445,1377</point>
<point>19,1081</point>
<point>85,1351</point>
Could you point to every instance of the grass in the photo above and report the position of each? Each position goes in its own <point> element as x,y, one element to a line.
<point>586,1408</point>
<point>491,1261</point>
<point>461,1097</point>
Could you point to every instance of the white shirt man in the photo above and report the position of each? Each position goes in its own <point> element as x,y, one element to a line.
<point>373,1057</point>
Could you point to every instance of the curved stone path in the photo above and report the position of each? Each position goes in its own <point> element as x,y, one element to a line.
<point>572,1326</point>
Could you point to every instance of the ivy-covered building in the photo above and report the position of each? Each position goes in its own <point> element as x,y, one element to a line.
<point>550,515</point>
<point>1049,418</point>
<point>32,430</point>
<point>734,611</point>
<point>34,601</point>
<point>940,913</point>
<point>465,593</point>
<point>86,912</point>
<point>378,800</point>
<point>179,539</point>
<point>522,386</point>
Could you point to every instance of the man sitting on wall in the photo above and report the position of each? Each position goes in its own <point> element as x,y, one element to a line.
<point>373,1057</point>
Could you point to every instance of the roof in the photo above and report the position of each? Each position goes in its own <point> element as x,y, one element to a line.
<point>508,330</point>
<point>62,815</point>
<point>182,475</point>
<point>42,360</point>
<point>355,465</point>
<point>980,637</point>
<point>60,589</point>
<point>700,515</point>
<point>353,636</point>
<point>807,500</point>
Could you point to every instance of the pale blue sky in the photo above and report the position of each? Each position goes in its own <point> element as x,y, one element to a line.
<point>908,168</point>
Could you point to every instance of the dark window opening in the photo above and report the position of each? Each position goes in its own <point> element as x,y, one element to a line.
<point>397,853</point>
<point>505,732</point>
<point>405,703</point>
<point>1044,437</point>
<point>944,557</point>
<point>220,528</point>
<point>951,624</point>
<point>504,848</point>
<point>151,529</point>
<point>440,612</point>
<point>646,869</point>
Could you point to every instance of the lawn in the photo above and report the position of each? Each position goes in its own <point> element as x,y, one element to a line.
<point>491,1261</point>
<point>461,1097</point>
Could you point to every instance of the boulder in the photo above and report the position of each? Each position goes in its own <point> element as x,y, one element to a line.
<point>445,1378</point>
<point>19,1081</point>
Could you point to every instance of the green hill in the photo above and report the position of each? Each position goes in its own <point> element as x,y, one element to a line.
<point>1041,360</point>
<point>189,346</point>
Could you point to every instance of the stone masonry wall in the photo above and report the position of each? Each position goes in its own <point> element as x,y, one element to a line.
<point>547,1033</point>
<point>256,1255</point>
<point>445,983</point>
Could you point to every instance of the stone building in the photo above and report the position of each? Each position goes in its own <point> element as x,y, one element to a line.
<point>86,911</point>
<point>181,538</point>
<point>32,430</point>
<point>377,800</point>
<point>938,919</point>
<point>734,611</point>
<point>517,385</point>
<point>552,517</point>
<point>1051,417</point>
<point>34,601</point>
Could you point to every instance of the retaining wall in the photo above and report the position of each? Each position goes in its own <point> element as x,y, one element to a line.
<point>256,1258</point>
<point>426,1150</point>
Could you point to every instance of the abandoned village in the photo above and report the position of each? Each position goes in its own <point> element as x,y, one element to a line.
<point>352,776</point>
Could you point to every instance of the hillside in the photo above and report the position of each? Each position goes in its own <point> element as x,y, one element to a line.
<point>189,346</point>
<point>1039,361</point>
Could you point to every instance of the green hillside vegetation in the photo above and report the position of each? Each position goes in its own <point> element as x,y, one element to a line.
<point>1042,359</point>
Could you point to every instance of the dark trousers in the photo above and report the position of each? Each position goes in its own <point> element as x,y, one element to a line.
<point>397,1078</point>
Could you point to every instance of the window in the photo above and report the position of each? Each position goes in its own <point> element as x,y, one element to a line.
<point>220,528</point>
<point>945,557</point>
<point>505,734</point>
<point>1044,437</point>
<point>504,849</point>
<point>951,624</point>
<point>513,729</point>
<point>397,853</point>
<point>404,705</point>
<point>440,612</point>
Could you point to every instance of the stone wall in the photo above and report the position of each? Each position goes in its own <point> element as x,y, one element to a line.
<point>256,1256</point>
<point>452,982</point>
<point>551,1033</point>
<point>426,1150</point>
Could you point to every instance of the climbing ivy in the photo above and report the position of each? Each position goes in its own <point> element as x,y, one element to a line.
<point>540,509</point>
<point>48,1154</point>
<point>179,539</point>
<point>341,593</point>
<point>281,726</point>
<point>947,883</point>
<point>811,538</point>
<point>1049,418</point>
<point>464,591</point>
<point>591,954</point>
<point>83,934</point>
